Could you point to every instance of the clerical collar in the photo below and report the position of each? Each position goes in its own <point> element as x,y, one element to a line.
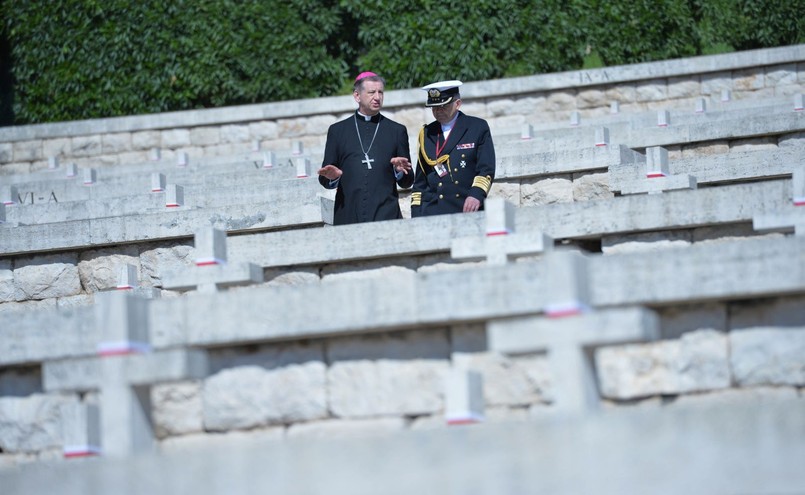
<point>367,118</point>
<point>446,128</point>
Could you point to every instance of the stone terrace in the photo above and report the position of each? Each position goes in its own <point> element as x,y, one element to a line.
<point>658,275</point>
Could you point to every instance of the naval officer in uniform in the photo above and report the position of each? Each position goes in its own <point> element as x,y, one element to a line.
<point>456,159</point>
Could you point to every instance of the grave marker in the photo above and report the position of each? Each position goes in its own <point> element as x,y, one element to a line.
<point>615,107</point>
<point>658,176</point>
<point>174,196</point>
<point>302,168</point>
<point>123,374</point>
<point>464,397</point>
<point>53,162</point>
<point>568,343</point>
<point>501,244</point>
<point>90,176</point>
<point>71,170</point>
<point>789,219</point>
<point>212,271</point>
<point>10,195</point>
<point>269,159</point>
<point>798,102</point>
<point>297,148</point>
<point>663,118</point>
<point>567,275</point>
<point>81,430</point>
<point>701,105</point>
<point>575,119</point>
<point>527,132</point>
<point>158,182</point>
<point>601,136</point>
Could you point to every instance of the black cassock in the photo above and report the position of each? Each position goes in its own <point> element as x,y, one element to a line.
<point>366,194</point>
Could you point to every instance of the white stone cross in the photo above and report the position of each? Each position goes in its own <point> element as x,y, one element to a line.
<point>501,243</point>
<point>569,343</point>
<point>658,176</point>
<point>464,397</point>
<point>212,271</point>
<point>123,372</point>
<point>566,274</point>
<point>302,168</point>
<point>792,218</point>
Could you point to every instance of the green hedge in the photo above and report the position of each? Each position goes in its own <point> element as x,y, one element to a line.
<point>76,59</point>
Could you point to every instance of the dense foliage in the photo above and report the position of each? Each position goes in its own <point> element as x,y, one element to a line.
<point>75,59</point>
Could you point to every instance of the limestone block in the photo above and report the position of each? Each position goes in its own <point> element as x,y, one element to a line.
<point>116,143</point>
<point>748,79</point>
<point>781,75</point>
<point>177,408</point>
<point>590,98</point>
<point>371,269</point>
<point>205,136</point>
<point>175,138</point>
<point>86,145</point>
<point>346,428</point>
<point>28,305</point>
<point>684,87</point>
<point>652,90</point>
<point>374,388</point>
<point>781,311</point>
<point>251,396</point>
<point>319,124</point>
<point>77,301</point>
<point>412,118</point>
<point>623,93</point>
<point>156,262</point>
<point>414,344</point>
<point>132,157</point>
<point>265,129</point>
<point>298,276</point>
<point>235,133</point>
<point>31,424</point>
<point>509,381</point>
<point>558,101</point>
<point>714,82</point>
<point>546,191</point>
<point>696,362</point>
<point>8,288</point>
<point>56,147</point>
<point>100,270</point>
<point>707,148</point>
<point>6,152</point>
<point>27,151</point>
<point>500,107</point>
<point>146,140</point>
<point>48,276</point>
<point>510,191</point>
<point>631,243</point>
<point>592,186</point>
<point>291,128</point>
<point>768,356</point>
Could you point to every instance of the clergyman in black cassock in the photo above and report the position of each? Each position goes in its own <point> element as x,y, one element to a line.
<point>371,155</point>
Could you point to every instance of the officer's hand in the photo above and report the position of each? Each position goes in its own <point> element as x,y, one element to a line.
<point>471,204</point>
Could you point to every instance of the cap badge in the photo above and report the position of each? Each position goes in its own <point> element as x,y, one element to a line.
<point>434,93</point>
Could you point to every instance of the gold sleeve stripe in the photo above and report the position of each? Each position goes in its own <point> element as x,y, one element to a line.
<point>483,182</point>
<point>416,199</point>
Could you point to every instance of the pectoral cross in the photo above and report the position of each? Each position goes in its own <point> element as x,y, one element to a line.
<point>368,161</point>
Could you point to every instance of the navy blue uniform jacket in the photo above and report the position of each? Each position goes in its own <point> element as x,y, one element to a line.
<point>470,168</point>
